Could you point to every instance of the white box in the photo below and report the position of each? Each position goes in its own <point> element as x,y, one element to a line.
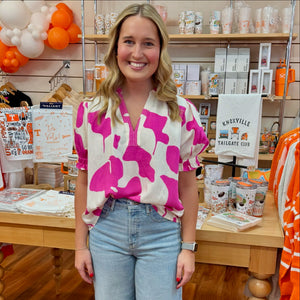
<point>242,83</point>
<point>266,82</point>
<point>230,82</point>
<point>193,72</point>
<point>180,84</point>
<point>243,60</point>
<point>216,83</point>
<point>220,60</point>
<point>264,56</point>
<point>232,55</point>
<point>254,82</point>
<point>179,74</point>
<point>193,87</point>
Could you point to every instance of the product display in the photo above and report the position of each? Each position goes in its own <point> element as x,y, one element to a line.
<point>234,204</point>
<point>233,221</point>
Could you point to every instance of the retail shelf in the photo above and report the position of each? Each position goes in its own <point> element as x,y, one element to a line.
<point>204,97</point>
<point>263,157</point>
<point>209,37</point>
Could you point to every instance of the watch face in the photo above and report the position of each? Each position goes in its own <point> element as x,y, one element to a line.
<point>196,247</point>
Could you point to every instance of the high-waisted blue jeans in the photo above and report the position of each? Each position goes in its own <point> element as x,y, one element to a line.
<point>134,252</point>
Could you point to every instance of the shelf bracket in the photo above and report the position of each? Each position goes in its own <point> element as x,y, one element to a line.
<point>57,77</point>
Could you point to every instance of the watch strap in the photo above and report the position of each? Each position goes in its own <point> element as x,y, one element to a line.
<point>189,246</point>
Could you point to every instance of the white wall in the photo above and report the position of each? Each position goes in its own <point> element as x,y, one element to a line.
<point>33,78</point>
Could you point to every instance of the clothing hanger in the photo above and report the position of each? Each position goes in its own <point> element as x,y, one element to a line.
<point>4,87</point>
<point>11,86</point>
<point>66,87</point>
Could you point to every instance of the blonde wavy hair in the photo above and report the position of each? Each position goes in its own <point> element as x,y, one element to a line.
<point>164,86</point>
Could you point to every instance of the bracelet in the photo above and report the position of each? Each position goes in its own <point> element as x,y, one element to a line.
<point>78,249</point>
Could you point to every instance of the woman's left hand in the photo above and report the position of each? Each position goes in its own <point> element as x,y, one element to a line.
<point>185,267</point>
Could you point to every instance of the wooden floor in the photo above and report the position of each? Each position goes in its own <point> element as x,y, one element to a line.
<point>29,276</point>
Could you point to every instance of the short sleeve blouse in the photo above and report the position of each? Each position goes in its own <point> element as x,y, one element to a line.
<point>141,164</point>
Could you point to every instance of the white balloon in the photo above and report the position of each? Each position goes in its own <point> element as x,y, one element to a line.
<point>16,40</point>
<point>36,34</point>
<point>31,47</point>
<point>44,36</point>
<point>17,32</point>
<point>9,33</point>
<point>5,38</point>
<point>14,14</point>
<point>40,21</point>
<point>35,5</point>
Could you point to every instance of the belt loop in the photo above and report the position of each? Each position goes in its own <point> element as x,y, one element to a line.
<point>148,208</point>
<point>112,204</point>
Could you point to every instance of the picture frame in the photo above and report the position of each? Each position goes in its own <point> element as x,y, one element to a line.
<point>254,82</point>
<point>264,55</point>
<point>266,82</point>
<point>204,110</point>
<point>204,123</point>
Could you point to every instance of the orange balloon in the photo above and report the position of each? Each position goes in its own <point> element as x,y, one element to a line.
<point>6,62</point>
<point>23,60</point>
<point>61,18</point>
<point>14,62</point>
<point>58,38</point>
<point>9,54</point>
<point>73,32</point>
<point>3,50</point>
<point>65,7</point>
<point>10,69</point>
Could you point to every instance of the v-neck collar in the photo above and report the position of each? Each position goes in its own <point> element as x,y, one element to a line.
<point>125,113</point>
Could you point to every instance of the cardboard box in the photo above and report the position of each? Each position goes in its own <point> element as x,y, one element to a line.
<point>220,60</point>
<point>193,72</point>
<point>216,83</point>
<point>231,61</point>
<point>243,60</point>
<point>193,87</point>
<point>242,83</point>
<point>230,82</point>
<point>179,71</point>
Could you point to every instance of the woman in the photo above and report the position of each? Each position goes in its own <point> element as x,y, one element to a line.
<point>136,195</point>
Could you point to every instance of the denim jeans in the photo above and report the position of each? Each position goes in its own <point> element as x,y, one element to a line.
<point>134,252</point>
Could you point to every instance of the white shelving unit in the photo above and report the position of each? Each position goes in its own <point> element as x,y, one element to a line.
<point>200,38</point>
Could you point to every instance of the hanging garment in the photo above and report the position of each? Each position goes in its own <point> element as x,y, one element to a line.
<point>13,96</point>
<point>289,272</point>
<point>16,132</point>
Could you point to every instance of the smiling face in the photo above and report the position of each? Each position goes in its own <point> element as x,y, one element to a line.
<point>138,50</point>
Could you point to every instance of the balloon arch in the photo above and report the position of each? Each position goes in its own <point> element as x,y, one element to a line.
<point>27,26</point>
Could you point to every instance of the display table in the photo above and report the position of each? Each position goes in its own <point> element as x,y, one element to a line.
<point>255,248</point>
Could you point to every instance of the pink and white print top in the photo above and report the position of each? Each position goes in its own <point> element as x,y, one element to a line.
<point>142,164</point>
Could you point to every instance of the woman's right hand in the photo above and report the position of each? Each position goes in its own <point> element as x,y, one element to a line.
<point>83,263</point>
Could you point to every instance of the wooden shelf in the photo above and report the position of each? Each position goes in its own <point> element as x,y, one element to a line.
<point>209,37</point>
<point>203,97</point>
<point>263,157</point>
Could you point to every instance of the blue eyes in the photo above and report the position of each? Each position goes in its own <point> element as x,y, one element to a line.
<point>147,44</point>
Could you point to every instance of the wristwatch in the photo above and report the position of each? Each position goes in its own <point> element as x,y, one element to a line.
<point>189,246</point>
